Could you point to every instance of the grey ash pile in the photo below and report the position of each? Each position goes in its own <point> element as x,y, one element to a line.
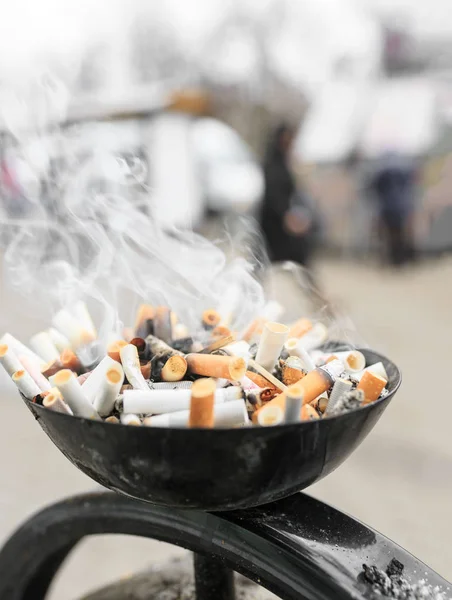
<point>392,584</point>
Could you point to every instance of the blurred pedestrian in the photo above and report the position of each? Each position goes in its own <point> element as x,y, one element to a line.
<point>393,185</point>
<point>288,219</point>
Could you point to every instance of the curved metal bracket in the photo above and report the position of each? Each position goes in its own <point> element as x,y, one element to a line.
<point>298,548</point>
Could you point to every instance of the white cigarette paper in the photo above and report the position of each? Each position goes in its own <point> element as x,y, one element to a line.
<point>273,338</point>
<point>270,415</point>
<point>43,345</point>
<point>73,394</point>
<point>95,380</point>
<point>131,365</point>
<point>340,387</point>
<point>294,348</point>
<point>228,414</point>
<point>21,349</point>
<point>168,401</point>
<point>180,332</point>
<point>26,384</point>
<point>9,360</point>
<point>33,369</point>
<point>56,403</point>
<point>109,390</point>
<point>315,337</point>
<point>354,361</point>
<point>81,312</point>
<point>61,341</point>
<point>130,419</point>
<point>294,402</point>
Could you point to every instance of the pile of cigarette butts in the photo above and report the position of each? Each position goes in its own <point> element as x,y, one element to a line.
<point>158,375</point>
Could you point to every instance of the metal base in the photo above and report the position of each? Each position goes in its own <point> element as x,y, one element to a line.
<point>298,548</point>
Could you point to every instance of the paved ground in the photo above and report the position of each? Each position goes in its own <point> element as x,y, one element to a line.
<point>399,481</point>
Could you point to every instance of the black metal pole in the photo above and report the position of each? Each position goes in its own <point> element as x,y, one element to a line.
<point>213,580</point>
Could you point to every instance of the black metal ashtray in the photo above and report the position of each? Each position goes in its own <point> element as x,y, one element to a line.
<point>213,469</point>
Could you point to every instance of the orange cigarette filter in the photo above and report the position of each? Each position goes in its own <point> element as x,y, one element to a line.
<point>146,370</point>
<point>300,327</point>
<point>291,375</point>
<point>259,380</point>
<point>174,369</point>
<point>308,413</point>
<point>211,318</point>
<point>312,385</point>
<point>372,385</point>
<point>114,348</point>
<point>69,360</point>
<point>319,404</point>
<point>255,328</point>
<point>212,365</point>
<point>144,312</point>
<point>202,403</point>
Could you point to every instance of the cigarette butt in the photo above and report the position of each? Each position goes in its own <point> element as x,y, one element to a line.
<point>300,328</point>
<point>158,347</point>
<point>109,390</point>
<point>43,345</point>
<point>132,368</point>
<point>9,360</point>
<point>69,360</point>
<point>209,365</point>
<point>254,329</point>
<point>259,380</point>
<point>142,347</point>
<point>320,404</point>
<point>74,395</point>
<point>113,349</point>
<point>25,384</point>
<point>56,403</point>
<point>60,341</point>
<point>294,348</point>
<point>293,404</point>
<point>372,385</point>
<point>93,383</point>
<point>340,387</point>
<point>174,369</point>
<point>377,369</point>
<point>226,414</point>
<point>160,400</point>
<point>308,413</point>
<point>210,318</point>
<point>33,369</point>
<point>354,361</point>
<point>273,338</point>
<point>202,403</point>
<point>129,419</point>
<point>269,415</point>
<point>145,312</point>
<point>221,331</point>
<point>70,327</point>
<point>113,420</point>
<point>163,327</point>
<point>292,370</point>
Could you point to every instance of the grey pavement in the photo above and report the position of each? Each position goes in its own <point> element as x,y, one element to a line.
<point>399,481</point>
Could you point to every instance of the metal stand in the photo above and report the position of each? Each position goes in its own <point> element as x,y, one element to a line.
<point>298,548</point>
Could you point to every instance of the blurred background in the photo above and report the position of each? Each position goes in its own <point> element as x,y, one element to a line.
<point>327,122</point>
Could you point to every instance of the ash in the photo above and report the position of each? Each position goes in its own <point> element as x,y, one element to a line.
<point>349,401</point>
<point>392,584</point>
